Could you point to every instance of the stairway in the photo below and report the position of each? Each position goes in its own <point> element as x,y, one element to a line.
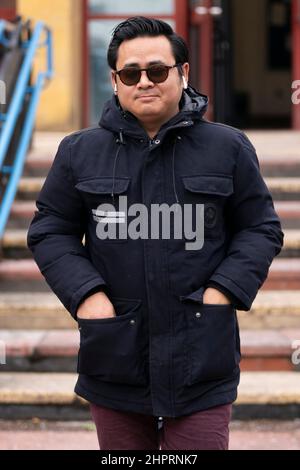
<point>42,339</point>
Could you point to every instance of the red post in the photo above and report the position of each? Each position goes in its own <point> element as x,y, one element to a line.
<point>204,20</point>
<point>296,58</point>
<point>7,9</point>
<point>182,19</point>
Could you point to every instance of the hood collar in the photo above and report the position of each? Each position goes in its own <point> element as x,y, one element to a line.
<point>193,106</point>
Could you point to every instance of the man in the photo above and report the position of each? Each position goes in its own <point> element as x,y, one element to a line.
<point>159,340</point>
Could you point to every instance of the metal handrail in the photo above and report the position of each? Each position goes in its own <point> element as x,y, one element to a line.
<point>21,90</point>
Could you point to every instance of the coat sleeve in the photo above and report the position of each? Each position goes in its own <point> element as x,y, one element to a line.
<point>56,232</point>
<point>256,232</point>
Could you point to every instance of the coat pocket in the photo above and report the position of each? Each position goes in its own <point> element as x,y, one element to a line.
<point>111,349</point>
<point>107,213</point>
<point>212,191</point>
<point>213,343</point>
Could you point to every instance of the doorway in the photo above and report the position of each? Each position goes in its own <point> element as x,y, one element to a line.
<point>261,69</point>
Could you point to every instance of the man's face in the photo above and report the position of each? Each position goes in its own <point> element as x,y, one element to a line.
<point>149,101</point>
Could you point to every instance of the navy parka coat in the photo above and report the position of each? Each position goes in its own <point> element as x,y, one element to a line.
<point>165,353</point>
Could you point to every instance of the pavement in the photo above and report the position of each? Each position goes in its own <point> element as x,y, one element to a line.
<point>47,435</point>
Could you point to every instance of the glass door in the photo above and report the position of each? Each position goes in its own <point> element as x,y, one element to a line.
<point>100,18</point>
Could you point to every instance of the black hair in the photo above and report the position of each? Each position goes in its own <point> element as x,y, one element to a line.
<point>138,26</point>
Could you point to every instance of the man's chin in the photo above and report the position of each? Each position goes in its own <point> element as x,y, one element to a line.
<point>148,110</point>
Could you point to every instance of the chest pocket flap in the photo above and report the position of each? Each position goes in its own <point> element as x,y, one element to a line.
<point>104,185</point>
<point>220,185</point>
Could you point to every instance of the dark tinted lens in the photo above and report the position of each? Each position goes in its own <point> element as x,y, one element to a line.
<point>130,75</point>
<point>158,73</point>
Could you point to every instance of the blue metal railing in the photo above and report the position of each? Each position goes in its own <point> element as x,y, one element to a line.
<point>21,91</point>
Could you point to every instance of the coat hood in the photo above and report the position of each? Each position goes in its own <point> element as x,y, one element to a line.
<point>192,106</point>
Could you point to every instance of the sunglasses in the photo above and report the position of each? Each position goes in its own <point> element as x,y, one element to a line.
<point>155,73</point>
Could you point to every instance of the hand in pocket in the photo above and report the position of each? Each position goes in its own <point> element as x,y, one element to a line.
<point>96,306</point>
<point>215,297</point>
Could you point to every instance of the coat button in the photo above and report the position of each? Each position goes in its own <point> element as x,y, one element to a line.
<point>157,141</point>
<point>210,215</point>
<point>198,315</point>
<point>132,322</point>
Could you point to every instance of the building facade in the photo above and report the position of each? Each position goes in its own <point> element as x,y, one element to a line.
<point>244,55</point>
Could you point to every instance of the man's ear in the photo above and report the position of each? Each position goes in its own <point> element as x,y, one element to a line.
<point>185,68</point>
<point>113,82</point>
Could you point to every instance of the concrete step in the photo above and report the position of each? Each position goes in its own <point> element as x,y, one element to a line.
<point>291,240</point>
<point>14,244</point>
<point>272,310</point>
<point>274,166</point>
<point>23,209</point>
<point>284,188</point>
<point>40,350</point>
<point>289,213</point>
<point>269,388</point>
<point>278,148</point>
<point>267,350</point>
<point>284,273</point>
<point>38,161</point>
<point>43,310</point>
<point>30,184</point>
<point>286,209</point>
<point>270,165</point>
<point>43,150</point>
<point>17,239</point>
<point>56,350</point>
<point>35,310</point>
<point>285,184</point>
<point>47,395</point>
<point>37,388</point>
<point>21,269</point>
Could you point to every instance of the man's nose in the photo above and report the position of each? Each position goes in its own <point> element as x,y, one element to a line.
<point>144,80</point>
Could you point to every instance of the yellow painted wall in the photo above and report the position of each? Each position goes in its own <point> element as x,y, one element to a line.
<point>60,104</point>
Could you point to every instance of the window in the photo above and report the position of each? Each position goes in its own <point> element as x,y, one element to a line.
<point>116,7</point>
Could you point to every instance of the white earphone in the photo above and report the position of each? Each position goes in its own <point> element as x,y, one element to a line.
<point>185,85</point>
<point>115,89</point>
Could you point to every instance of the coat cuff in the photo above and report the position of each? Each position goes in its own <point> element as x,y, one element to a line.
<point>239,299</point>
<point>85,291</point>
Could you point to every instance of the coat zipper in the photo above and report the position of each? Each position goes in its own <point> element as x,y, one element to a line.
<point>151,141</point>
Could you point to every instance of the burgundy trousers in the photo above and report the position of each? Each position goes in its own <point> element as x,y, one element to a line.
<point>203,430</point>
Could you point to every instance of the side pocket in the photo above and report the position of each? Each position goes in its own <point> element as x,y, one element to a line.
<point>111,348</point>
<point>102,208</point>
<point>213,340</point>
